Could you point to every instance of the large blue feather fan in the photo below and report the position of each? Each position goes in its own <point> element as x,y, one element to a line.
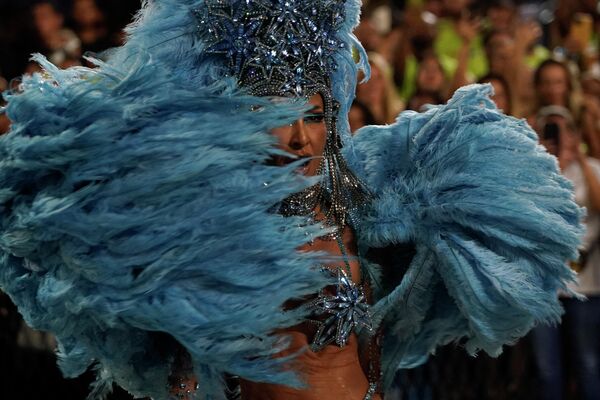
<point>131,204</point>
<point>491,218</point>
<point>135,205</point>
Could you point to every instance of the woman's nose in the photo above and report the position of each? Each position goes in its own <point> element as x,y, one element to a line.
<point>299,138</point>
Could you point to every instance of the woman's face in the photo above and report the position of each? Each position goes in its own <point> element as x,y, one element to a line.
<point>86,12</point>
<point>500,96</point>
<point>430,77</point>
<point>305,138</point>
<point>46,19</point>
<point>499,52</point>
<point>553,87</point>
<point>566,148</point>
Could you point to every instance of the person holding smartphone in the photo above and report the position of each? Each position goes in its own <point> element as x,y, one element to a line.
<point>561,137</point>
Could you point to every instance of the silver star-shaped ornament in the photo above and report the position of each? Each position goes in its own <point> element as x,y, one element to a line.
<point>347,310</point>
<point>282,46</point>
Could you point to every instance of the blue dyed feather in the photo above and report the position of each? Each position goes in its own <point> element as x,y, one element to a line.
<point>492,219</point>
<point>134,200</point>
<point>129,207</point>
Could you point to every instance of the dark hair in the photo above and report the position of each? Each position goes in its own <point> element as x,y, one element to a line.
<point>54,4</point>
<point>487,36</point>
<point>499,78</point>
<point>434,96</point>
<point>507,4</point>
<point>367,114</point>
<point>537,76</point>
<point>556,111</point>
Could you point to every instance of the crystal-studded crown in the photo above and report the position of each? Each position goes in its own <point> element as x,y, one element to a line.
<point>289,48</point>
<point>275,47</point>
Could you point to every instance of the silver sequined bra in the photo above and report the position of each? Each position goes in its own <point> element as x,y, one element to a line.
<point>337,315</point>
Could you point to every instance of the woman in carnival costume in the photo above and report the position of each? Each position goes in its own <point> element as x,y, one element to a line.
<point>193,212</point>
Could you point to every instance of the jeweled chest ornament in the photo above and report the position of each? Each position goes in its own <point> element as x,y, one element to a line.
<point>344,311</point>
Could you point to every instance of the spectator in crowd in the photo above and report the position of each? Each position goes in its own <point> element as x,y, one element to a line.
<point>559,134</point>
<point>514,55</point>
<point>417,59</point>
<point>590,83</point>
<point>380,93</point>
<point>359,116</point>
<point>499,49</point>
<point>431,78</point>
<point>501,95</point>
<point>554,85</point>
<point>413,49</point>
<point>456,30</point>
<point>60,44</point>
<point>572,29</point>
<point>90,25</point>
<point>370,38</point>
<point>500,15</point>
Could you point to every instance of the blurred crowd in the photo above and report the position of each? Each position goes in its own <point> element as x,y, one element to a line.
<point>65,31</point>
<point>541,58</point>
<point>533,53</point>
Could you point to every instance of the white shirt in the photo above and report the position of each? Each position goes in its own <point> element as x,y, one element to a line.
<point>589,277</point>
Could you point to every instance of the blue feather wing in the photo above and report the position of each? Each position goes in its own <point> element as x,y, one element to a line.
<point>492,219</point>
<point>132,203</point>
<point>134,199</point>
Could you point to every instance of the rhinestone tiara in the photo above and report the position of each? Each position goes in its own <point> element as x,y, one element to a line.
<point>275,47</point>
<point>288,48</point>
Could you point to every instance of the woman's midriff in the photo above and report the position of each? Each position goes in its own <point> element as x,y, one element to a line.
<point>332,373</point>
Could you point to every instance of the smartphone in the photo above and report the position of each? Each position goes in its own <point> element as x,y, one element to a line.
<point>551,134</point>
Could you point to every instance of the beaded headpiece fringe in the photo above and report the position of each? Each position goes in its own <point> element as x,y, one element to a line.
<point>287,48</point>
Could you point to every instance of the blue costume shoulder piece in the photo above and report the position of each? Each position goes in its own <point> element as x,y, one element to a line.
<point>131,205</point>
<point>492,219</point>
<point>135,203</point>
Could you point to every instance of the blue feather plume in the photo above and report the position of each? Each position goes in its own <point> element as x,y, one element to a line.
<point>135,202</point>
<point>493,221</point>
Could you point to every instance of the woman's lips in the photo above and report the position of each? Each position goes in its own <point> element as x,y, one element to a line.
<point>282,161</point>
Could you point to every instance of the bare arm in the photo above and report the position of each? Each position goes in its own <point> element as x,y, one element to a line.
<point>592,183</point>
<point>468,30</point>
<point>520,76</point>
<point>589,125</point>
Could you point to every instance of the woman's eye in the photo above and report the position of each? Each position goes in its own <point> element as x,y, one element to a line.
<point>314,118</point>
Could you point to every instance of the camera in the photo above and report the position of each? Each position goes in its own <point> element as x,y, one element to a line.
<point>551,134</point>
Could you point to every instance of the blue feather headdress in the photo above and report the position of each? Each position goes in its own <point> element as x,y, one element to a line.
<point>290,48</point>
<point>275,48</point>
<point>130,210</point>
